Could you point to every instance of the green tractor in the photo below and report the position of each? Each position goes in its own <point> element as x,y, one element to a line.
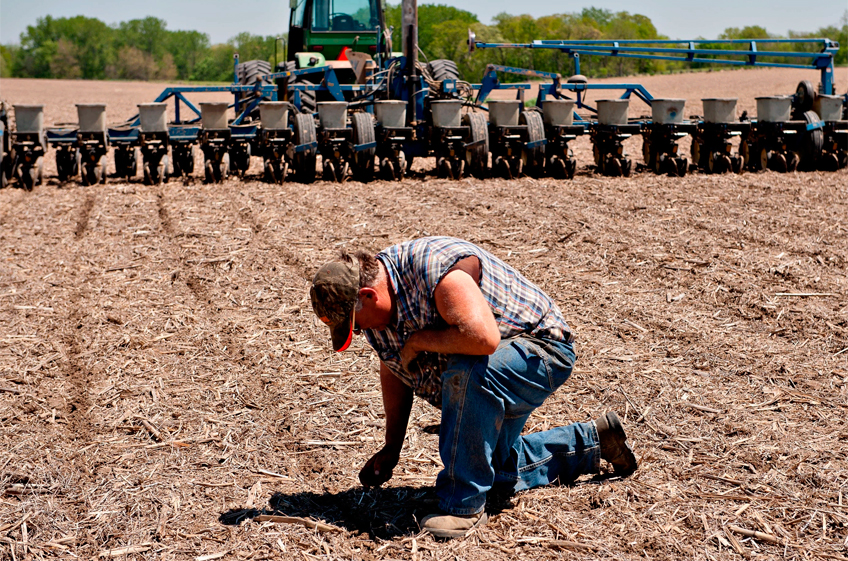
<point>324,32</point>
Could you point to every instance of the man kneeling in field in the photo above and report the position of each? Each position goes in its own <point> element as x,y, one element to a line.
<point>458,327</point>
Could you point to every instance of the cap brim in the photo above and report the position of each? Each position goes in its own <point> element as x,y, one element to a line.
<point>342,334</point>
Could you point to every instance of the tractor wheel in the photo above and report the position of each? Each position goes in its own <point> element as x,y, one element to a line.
<point>533,158</point>
<point>443,69</point>
<point>477,156</point>
<point>804,96</point>
<point>249,74</point>
<point>812,142</point>
<point>308,103</point>
<point>363,133</point>
<point>304,162</point>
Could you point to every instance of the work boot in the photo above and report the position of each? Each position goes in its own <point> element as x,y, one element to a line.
<point>447,526</point>
<point>614,449</point>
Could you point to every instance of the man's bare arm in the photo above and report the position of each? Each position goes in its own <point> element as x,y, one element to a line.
<point>472,327</point>
<point>397,404</point>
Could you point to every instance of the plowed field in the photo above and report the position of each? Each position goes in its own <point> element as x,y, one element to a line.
<point>163,381</point>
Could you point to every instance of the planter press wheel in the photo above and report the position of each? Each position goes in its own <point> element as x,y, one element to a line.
<point>719,163</point>
<point>477,156</point>
<point>533,158</point>
<point>737,164</point>
<point>363,133</point>
<point>304,162</point>
<point>612,166</point>
<point>682,166</point>
<point>776,162</point>
<point>626,167</point>
<point>100,170</point>
<point>557,168</point>
<point>209,172</point>
<point>183,161</point>
<point>3,179</point>
<point>793,159</point>
<point>275,172</point>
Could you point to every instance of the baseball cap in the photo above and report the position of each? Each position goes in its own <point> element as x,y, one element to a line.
<point>333,293</point>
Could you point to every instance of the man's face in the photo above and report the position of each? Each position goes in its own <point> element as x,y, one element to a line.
<point>370,313</point>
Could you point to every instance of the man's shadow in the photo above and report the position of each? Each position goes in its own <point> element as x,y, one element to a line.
<point>381,513</point>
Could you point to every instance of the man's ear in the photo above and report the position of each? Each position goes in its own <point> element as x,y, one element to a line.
<point>367,292</point>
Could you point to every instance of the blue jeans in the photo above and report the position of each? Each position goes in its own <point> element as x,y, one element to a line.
<point>486,401</point>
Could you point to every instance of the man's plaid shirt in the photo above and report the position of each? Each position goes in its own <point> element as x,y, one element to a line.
<point>416,267</point>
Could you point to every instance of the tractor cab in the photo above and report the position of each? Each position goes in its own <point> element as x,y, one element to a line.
<point>320,31</point>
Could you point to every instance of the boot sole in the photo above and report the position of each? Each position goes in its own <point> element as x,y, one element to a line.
<point>445,533</point>
<point>626,459</point>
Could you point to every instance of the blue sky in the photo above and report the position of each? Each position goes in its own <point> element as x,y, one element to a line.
<point>222,20</point>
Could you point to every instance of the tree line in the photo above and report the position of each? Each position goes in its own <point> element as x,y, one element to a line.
<point>144,49</point>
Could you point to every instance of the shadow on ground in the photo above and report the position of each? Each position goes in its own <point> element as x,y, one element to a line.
<point>382,513</point>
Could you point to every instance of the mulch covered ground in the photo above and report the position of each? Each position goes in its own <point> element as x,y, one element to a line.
<point>165,387</point>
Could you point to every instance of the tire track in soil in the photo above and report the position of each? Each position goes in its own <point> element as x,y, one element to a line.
<point>85,213</point>
<point>81,378</point>
<point>233,344</point>
<point>194,284</point>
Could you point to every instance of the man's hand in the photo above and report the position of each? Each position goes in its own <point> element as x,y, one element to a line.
<point>409,353</point>
<point>379,468</point>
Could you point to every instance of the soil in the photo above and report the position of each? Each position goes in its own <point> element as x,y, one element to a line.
<point>163,380</point>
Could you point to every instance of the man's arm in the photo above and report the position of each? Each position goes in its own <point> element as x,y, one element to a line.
<point>472,329</point>
<point>397,404</point>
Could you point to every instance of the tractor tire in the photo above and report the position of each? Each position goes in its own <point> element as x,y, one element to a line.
<point>477,156</point>
<point>443,69</point>
<point>249,74</point>
<point>363,133</point>
<point>308,101</point>
<point>304,162</point>
<point>534,158</point>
